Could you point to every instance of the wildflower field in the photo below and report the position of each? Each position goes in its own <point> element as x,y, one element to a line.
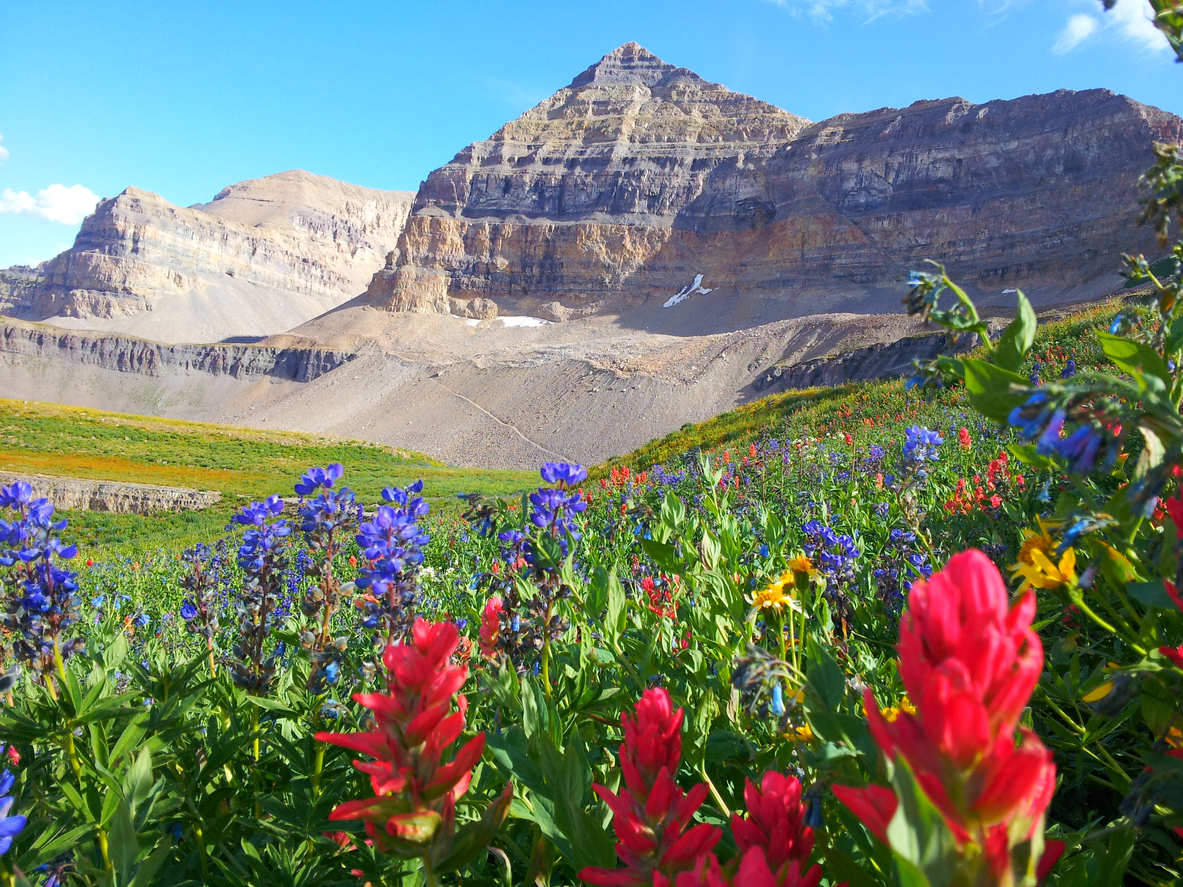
<point>919,634</point>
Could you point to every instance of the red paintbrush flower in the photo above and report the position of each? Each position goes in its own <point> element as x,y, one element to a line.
<point>1175,654</point>
<point>415,785</point>
<point>651,813</point>
<point>491,626</point>
<point>969,661</point>
<point>753,871</point>
<point>775,823</point>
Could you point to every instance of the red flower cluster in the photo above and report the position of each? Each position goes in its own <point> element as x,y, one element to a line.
<point>969,661</point>
<point>990,495</point>
<point>491,626</point>
<point>964,439</point>
<point>661,597</point>
<point>415,792</point>
<point>652,814</point>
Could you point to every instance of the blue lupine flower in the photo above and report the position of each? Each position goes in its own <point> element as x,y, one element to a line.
<point>1116,325</point>
<point>778,700</point>
<point>319,477</point>
<point>563,473</point>
<point>920,444</point>
<point>1069,370</point>
<point>188,611</point>
<point>10,826</point>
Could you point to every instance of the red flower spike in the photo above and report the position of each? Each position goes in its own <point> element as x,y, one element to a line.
<point>776,821</point>
<point>418,719</point>
<point>1175,654</point>
<point>491,626</point>
<point>969,661</point>
<point>874,806</point>
<point>651,813</point>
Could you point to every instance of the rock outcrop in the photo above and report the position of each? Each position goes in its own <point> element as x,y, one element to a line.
<point>639,176</point>
<point>264,256</point>
<point>126,354</point>
<point>77,494</point>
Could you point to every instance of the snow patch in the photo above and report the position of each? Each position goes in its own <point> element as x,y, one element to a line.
<point>471,321</point>
<point>524,321</point>
<point>695,289</point>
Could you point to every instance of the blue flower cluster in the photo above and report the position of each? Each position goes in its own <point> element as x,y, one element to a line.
<point>329,511</point>
<point>832,554</point>
<point>44,603</point>
<point>899,563</point>
<point>263,559</point>
<point>264,536</point>
<point>1037,419</point>
<point>920,445</point>
<point>393,543</point>
<point>10,826</point>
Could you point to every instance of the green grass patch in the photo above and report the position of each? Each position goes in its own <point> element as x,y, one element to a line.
<point>241,463</point>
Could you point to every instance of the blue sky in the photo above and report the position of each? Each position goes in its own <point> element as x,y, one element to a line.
<point>183,99</point>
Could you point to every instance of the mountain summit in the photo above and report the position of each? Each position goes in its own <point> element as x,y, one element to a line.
<point>627,185</point>
<point>630,63</point>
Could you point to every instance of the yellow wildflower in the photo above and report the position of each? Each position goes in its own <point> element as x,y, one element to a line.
<point>1174,737</point>
<point>892,712</point>
<point>1098,693</point>
<point>800,734</point>
<point>1036,565</point>
<point>776,596</point>
<point>802,564</point>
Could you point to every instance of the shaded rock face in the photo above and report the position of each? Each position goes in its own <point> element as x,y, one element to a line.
<point>130,355</point>
<point>573,198</point>
<point>76,494</point>
<point>639,175</point>
<point>263,256</point>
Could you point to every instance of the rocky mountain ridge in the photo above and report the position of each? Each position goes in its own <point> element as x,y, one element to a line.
<point>637,177</point>
<point>265,255</point>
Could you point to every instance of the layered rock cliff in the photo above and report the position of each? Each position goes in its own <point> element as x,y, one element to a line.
<point>639,176</point>
<point>265,255</point>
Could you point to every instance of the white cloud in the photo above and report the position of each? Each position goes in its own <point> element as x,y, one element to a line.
<point>3,151</point>
<point>56,203</point>
<point>872,9</point>
<point>1129,20</point>
<point>1133,18</point>
<point>1078,29</point>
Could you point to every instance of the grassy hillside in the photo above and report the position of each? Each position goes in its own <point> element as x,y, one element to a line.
<point>859,406</point>
<point>241,463</point>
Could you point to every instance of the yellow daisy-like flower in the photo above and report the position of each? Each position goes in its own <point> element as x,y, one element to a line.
<point>800,734</point>
<point>771,598</point>
<point>892,713</point>
<point>1036,564</point>
<point>803,565</point>
<point>777,596</point>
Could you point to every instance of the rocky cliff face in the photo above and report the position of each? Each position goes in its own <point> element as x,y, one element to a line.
<point>263,256</point>
<point>76,494</point>
<point>126,354</point>
<point>639,176</point>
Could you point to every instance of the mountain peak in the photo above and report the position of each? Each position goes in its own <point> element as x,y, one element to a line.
<point>630,63</point>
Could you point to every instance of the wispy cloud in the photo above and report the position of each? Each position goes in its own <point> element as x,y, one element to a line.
<point>4,155</point>
<point>57,203</point>
<point>1129,20</point>
<point>1079,28</point>
<point>871,9</point>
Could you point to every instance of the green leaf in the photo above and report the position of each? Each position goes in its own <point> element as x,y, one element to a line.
<point>591,845</point>
<point>150,866</point>
<point>1018,337</point>
<point>1151,594</point>
<point>473,837</point>
<point>1134,357</point>
<point>597,593</point>
<point>673,512</point>
<point>918,834</point>
<point>123,844</point>
<point>990,389</point>
<point>665,556</point>
<point>617,619</point>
